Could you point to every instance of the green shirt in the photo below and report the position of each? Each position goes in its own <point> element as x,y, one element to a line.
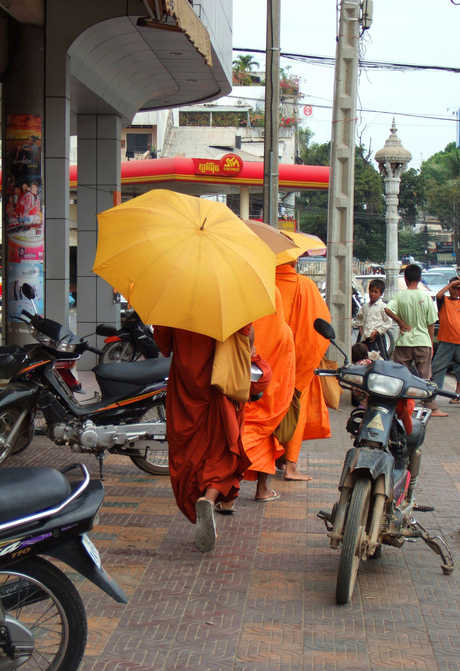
<point>417,310</point>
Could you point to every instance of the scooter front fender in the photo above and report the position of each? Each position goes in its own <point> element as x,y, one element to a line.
<point>74,554</point>
<point>375,462</point>
<point>22,394</point>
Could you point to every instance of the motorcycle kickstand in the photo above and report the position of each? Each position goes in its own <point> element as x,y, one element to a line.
<point>438,545</point>
<point>100,458</point>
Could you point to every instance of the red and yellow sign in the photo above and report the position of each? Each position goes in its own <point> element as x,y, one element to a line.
<point>230,165</point>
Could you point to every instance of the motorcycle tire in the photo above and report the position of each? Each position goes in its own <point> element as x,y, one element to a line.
<point>44,601</point>
<point>154,459</point>
<point>389,343</point>
<point>356,527</point>
<point>118,352</point>
<point>7,420</point>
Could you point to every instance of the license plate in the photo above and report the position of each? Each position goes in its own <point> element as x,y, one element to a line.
<point>92,550</point>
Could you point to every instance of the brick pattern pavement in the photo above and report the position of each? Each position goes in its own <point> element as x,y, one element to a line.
<point>263,600</point>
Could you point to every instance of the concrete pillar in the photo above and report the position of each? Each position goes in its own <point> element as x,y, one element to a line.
<point>57,152</point>
<point>99,188</point>
<point>244,202</point>
<point>23,116</point>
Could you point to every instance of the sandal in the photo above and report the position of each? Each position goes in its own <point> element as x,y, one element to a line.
<point>454,401</point>
<point>224,511</point>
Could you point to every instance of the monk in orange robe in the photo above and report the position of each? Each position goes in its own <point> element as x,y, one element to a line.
<point>274,341</point>
<point>204,429</point>
<point>302,304</point>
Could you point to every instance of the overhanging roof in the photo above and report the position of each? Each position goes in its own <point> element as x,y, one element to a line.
<point>179,174</point>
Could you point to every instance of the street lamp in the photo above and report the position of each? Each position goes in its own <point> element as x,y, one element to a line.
<point>392,160</point>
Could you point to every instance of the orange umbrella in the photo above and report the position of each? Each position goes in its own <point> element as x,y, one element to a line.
<point>274,238</point>
<point>305,243</point>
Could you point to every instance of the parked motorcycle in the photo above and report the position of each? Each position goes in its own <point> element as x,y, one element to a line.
<point>42,617</point>
<point>380,473</point>
<point>132,340</point>
<point>127,418</point>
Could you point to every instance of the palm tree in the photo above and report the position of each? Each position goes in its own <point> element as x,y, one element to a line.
<point>242,67</point>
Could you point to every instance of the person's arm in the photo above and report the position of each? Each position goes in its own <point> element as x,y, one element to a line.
<point>163,336</point>
<point>359,320</point>
<point>402,325</point>
<point>441,292</point>
<point>431,334</point>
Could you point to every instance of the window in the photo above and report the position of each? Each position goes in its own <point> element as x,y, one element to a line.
<point>138,143</point>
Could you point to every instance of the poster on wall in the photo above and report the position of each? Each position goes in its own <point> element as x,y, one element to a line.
<point>24,211</point>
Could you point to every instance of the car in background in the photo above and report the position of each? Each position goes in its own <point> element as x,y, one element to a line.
<point>446,271</point>
<point>435,281</point>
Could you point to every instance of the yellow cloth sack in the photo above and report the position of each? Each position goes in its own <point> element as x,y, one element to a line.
<point>285,429</point>
<point>330,385</point>
<point>231,369</point>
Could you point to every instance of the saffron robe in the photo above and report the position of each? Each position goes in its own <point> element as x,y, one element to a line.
<point>204,427</point>
<point>274,342</point>
<point>302,304</point>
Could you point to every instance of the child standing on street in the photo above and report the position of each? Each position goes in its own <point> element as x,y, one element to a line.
<point>372,320</point>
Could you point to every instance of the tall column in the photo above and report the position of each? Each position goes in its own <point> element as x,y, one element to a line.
<point>99,188</point>
<point>244,202</point>
<point>57,162</point>
<point>22,138</point>
<point>392,160</point>
<point>341,186</point>
<point>272,98</point>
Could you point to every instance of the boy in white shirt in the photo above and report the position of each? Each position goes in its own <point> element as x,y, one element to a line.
<point>372,320</point>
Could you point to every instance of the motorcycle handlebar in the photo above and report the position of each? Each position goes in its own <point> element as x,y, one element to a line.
<point>448,394</point>
<point>327,372</point>
<point>27,314</point>
<point>95,350</point>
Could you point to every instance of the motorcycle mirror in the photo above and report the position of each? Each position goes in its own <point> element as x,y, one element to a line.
<point>28,291</point>
<point>325,329</point>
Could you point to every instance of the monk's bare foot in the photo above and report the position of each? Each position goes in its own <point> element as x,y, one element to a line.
<point>296,475</point>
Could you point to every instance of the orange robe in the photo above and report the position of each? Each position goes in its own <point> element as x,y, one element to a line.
<point>274,342</point>
<point>204,427</point>
<point>302,304</point>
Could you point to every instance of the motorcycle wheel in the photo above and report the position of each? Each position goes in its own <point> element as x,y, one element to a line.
<point>389,343</point>
<point>45,602</point>
<point>8,419</point>
<point>154,460</point>
<point>118,352</point>
<point>355,533</point>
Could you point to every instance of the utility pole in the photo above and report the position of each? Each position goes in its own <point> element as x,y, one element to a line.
<point>272,97</point>
<point>341,185</point>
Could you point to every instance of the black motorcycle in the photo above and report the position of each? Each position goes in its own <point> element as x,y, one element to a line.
<point>127,418</point>
<point>380,473</point>
<point>42,617</point>
<point>133,340</point>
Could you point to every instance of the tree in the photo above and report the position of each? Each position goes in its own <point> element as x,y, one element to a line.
<point>242,68</point>
<point>369,204</point>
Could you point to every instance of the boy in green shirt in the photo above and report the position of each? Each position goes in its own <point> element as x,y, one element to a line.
<point>414,312</point>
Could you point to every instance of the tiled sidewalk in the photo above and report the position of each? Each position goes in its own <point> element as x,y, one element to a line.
<point>263,600</point>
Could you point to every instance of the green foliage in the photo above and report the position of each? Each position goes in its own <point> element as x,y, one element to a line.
<point>412,197</point>
<point>242,67</point>
<point>221,119</point>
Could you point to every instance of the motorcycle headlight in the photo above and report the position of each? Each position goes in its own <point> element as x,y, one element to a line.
<point>51,343</point>
<point>384,385</point>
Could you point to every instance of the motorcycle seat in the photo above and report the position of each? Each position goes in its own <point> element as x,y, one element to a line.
<point>25,491</point>
<point>139,373</point>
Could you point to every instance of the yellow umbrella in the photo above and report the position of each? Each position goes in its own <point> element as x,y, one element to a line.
<point>186,262</point>
<point>304,242</point>
<point>273,237</point>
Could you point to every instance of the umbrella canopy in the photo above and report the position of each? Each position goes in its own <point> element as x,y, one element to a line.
<point>304,242</point>
<point>186,262</point>
<point>275,239</point>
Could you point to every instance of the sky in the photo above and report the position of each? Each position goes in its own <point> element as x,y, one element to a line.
<point>422,32</point>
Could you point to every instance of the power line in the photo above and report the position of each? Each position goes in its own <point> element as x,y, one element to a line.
<point>380,65</point>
